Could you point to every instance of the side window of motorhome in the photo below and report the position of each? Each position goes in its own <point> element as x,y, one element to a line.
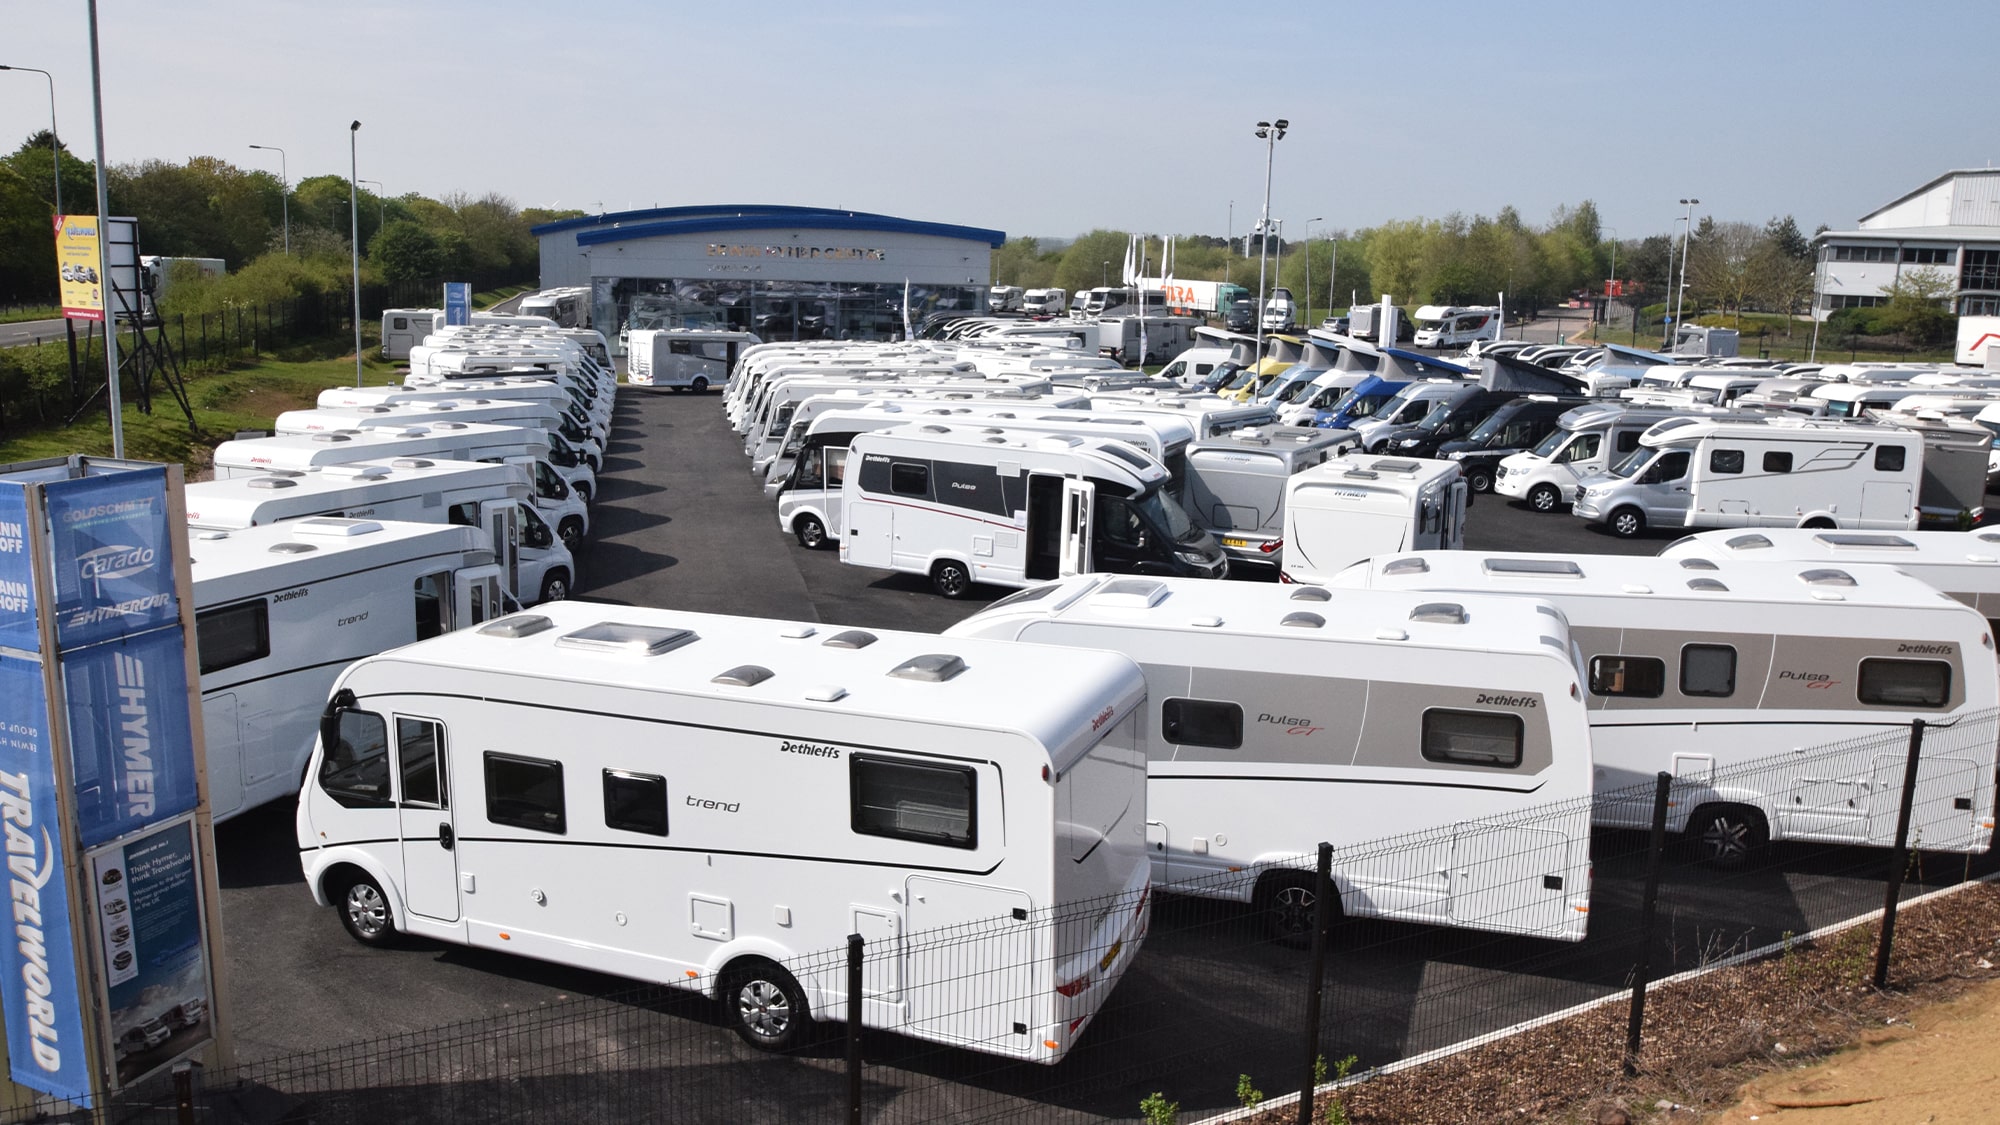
<point>355,769</point>
<point>1585,447</point>
<point>635,802</point>
<point>1628,440</point>
<point>431,596</point>
<point>1472,738</point>
<point>1708,670</point>
<point>232,635</point>
<point>1778,461</point>
<point>1119,521</point>
<point>525,793</point>
<point>1905,683</point>
<point>420,758</point>
<point>1641,676</point>
<point>1202,722</point>
<point>399,323</point>
<point>920,801</point>
<point>464,515</point>
<point>970,486</point>
<point>907,479</point>
<point>1725,461</point>
<point>680,347</point>
<point>1889,458</point>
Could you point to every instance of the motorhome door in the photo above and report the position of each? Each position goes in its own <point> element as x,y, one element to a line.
<point>430,846</point>
<point>502,524</point>
<point>475,595</point>
<point>1076,524</point>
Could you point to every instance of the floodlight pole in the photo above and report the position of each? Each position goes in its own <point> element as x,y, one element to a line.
<point>284,193</point>
<point>1687,236</point>
<point>354,235</point>
<point>1270,132</point>
<point>115,400</point>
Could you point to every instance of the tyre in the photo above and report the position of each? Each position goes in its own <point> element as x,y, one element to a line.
<point>555,587</point>
<point>811,532</point>
<point>1727,835</point>
<point>699,386</point>
<point>1480,481</point>
<point>951,579</point>
<point>1626,523</point>
<point>364,910</point>
<point>1285,901</point>
<point>765,1006</point>
<point>571,531</point>
<point>1545,498</point>
<point>582,491</point>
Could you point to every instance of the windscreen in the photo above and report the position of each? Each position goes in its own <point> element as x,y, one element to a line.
<point>1546,448</point>
<point>1165,514</point>
<point>1633,463</point>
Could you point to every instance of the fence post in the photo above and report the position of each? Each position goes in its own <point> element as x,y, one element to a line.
<point>1899,858</point>
<point>1643,971</point>
<point>1323,893</point>
<point>184,1093</point>
<point>854,946</point>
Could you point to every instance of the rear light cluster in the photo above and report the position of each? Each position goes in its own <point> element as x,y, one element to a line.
<point>1272,546</point>
<point>1082,984</point>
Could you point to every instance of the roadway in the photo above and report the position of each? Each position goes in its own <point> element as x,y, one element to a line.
<point>27,332</point>
<point>681,524</point>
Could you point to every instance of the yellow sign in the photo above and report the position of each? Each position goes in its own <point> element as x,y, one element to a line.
<point>78,258</point>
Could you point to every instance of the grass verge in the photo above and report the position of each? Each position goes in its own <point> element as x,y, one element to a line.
<point>491,297</point>
<point>16,316</point>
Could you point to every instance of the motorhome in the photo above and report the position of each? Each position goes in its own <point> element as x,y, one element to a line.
<point>1454,326</point>
<point>1587,440</point>
<point>1458,415</point>
<point>565,435</point>
<point>610,779</point>
<point>684,359</point>
<point>1856,400</point>
<point>1781,471</point>
<point>1196,364</point>
<point>1236,484</point>
<point>1281,313</point>
<point>1779,695</point>
<point>1207,414</point>
<point>1702,340</point>
<point>1514,427</point>
<point>766,434</point>
<point>1144,341</point>
<point>533,561</point>
<point>1440,746</point>
<point>905,404</point>
<point>403,329</point>
<point>542,391</point>
<point>1044,302</point>
<point>1965,565</point>
<point>1104,301</point>
<point>569,307</point>
<point>1005,298</point>
<point>962,505</point>
<point>280,609</point>
<point>1365,504</point>
<point>1978,339</point>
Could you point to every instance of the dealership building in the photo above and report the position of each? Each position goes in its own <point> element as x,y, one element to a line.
<point>1951,224</point>
<point>781,272</point>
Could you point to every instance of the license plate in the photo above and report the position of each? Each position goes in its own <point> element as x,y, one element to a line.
<point>1228,542</point>
<point>1111,956</point>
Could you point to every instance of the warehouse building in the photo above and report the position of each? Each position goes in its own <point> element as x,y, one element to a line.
<point>1951,224</point>
<point>781,272</point>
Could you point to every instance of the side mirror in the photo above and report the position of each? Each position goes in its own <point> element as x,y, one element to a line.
<point>329,719</point>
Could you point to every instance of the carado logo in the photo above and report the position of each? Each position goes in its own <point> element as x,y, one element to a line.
<point>119,561</point>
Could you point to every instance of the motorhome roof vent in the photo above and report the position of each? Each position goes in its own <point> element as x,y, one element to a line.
<point>357,472</point>
<point>743,675</point>
<point>1397,466</point>
<point>1249,435</point>
<point>936,429</point>
<point>1709,584</point>
<point>1850,539</point>
<point>517,625</point>
<point>1361,474</point>
<point>1392,634</point>
<point>412,463</point>
<point>1130,593</point>
<point>337,435</point>
<point>1439,613</point>
<point>371,410</point>
<point>619,636</point>
<point>334,526</point>
<point>1827,577</point>
<point>449,426</point>
<point>1552,568</point>
<point>1303,620</point>
<point>850,638</point>
<point>1751,542</point>
<point>1699,564</point>
<point>1059,442</point>
<point>995,441</point>
<point>292,548</point>
<point>826,693</point>
<point>931,668</point>
<point>1312,594</point>
<point>211,535</point>
<point>1406,566</point>
<point>270,482</point>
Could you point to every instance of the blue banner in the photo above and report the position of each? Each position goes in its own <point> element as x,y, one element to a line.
<point>17,579</point>
<point>131,752</point>
<point>38,972</point>
<point>112,554</point>
<point>458,302</point>
<point>149,922</point>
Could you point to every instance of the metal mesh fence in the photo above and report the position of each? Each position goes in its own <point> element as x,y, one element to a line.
<point>1444,934</point>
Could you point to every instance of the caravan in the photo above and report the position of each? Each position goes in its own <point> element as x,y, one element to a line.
<point>715,803</point>
<point>684,359</point>
<point>1441,747</point>
<point>1366,504</point>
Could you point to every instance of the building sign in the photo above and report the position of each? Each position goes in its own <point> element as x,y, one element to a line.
<point>823,253</point>
<point>458,302</point>
<point>77,263</point>
<point>147,903</point>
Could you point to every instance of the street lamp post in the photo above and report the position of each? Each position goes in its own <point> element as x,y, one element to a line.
<point>1687,236</point>
<point>1309,271</point>
<point>55,145</point>
<point>1270,132</point>
<point>284,192</point>
<point>381,207</point>
<point>354,236</point>
<point>1103,274</point>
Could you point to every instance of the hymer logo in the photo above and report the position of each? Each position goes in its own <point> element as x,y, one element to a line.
<point>1496,700</point>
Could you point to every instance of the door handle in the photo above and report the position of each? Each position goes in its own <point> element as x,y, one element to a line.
<point>444,836</point>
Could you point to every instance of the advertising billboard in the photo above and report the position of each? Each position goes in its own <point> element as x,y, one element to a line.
<point>77,262</point>
<point>147,902</point>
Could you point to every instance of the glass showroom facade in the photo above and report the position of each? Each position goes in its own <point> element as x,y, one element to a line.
<point>775,310</point>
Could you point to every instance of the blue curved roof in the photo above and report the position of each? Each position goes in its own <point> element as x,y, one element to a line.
<point>626,225</point>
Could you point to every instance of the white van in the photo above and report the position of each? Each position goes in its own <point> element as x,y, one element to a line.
<point>1441,747</point>
<point>606,787</point>
<point>961,505</point>
<point>1237,481</point>
<point>533,560</point>
<point>279,610</point>
<point>1587,440</point>
<point>1454,326</point>
<point>1407,407</point>
<point>1044,302</point>
<point>684,359</point>
<point>1281,314</point>
<point>1005,298</point>
<point>1193,366</point>
<point>1779,695</point>
<point>1366,504</point>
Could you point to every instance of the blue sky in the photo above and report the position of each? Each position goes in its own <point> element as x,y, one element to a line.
<point>1048,119</point>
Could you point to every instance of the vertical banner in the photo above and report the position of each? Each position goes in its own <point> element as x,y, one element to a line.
<point>77,260</point>
<point>131,762</point>
<point>114,565</point>
<point>458,302</point>
<point>17,577</point>
<point>149,926</point>
<point>38,971</point>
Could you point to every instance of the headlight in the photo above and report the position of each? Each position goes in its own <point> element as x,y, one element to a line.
<point>1455,455</point>
<point>1193,558</point>
<point>1407,443</point>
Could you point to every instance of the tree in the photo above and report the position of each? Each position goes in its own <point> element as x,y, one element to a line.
<point>1919,306</point>
<point>1781,268</point>
<point>406,251</point>
<point>1719,264</point>
<point>1083,264</point>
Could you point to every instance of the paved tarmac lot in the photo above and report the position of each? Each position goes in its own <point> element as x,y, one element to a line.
<point>682,524</point>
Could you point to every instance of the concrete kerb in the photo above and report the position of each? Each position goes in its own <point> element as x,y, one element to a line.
<point>1620,997</point>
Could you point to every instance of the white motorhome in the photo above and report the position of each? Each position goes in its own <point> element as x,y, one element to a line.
<point>1441,747</point>
<point>906,403</point>
<point>1978,343</point>
<point>684,359</point>
<point>1454,326</point>
<point>403,329</point>
<point>594,421</point>
<point>612,784</point>
<point>1141,341</point>
<point>1779,695</point>
<point>1005,298</point>
<point>1780,471</point>
<point>569,307</point>
<point>1237,481</point>
<point>1587,440</point>
<point>532,557</point>
<point>280,610</point>
<point>1045,302</point>
<point>1366,504</point>
<point>766,434</point>
<point>565,436</point>
<point>1208,414</point>
<point>1194,366</point>
<point>962,505</point>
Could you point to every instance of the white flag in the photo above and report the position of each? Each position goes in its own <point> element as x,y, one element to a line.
<point>908,333</point>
